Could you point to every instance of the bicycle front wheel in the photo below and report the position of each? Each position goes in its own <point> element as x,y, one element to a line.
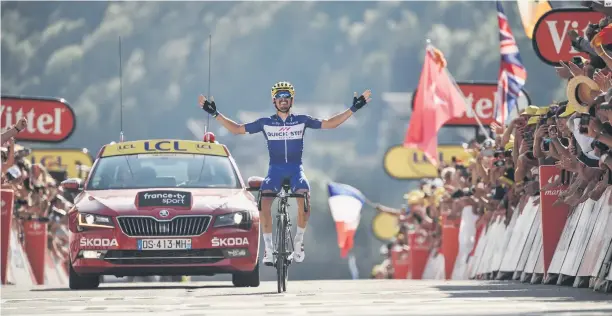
<point>280,255</point>
<point>288,248</point>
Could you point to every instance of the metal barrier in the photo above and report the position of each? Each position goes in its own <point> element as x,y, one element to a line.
<point>541,243</point>
<point>26,259</point>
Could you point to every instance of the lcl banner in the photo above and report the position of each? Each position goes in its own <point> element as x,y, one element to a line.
<point>553,217</point>
<point>410,163</point>
<point>76,162</point>
<point>551,41</point>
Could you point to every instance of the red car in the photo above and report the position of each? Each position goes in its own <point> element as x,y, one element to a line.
<point>163,207</point>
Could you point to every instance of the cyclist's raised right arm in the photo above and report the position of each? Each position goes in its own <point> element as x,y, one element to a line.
<point>237,129</point>
<point>230,125</point>
<point>211,108</point>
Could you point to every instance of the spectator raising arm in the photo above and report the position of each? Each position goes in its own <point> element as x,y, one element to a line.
<point>14,130</point>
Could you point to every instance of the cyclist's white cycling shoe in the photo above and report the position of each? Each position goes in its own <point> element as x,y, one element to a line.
<point>298,252</point>
<point>268,258</point>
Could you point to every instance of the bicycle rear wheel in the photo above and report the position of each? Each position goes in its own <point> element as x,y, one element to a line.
<point>280,254</point>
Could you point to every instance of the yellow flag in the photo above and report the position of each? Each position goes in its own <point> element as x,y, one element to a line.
<point>531,11</point>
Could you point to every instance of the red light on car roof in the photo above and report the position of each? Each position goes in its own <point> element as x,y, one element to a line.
<point>209,137</point>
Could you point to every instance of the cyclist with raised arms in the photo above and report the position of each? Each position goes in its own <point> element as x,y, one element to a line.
<point>284,133</point>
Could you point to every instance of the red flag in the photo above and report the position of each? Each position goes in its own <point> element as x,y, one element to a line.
<point>437,101</point>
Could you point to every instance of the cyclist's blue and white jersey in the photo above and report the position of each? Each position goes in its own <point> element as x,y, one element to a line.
<point>285,138</point>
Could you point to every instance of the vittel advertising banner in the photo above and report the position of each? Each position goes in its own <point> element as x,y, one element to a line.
<point>49,120</point>
<point>551,41</point>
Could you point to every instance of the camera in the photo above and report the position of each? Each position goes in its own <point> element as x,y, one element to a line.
<point>22,153</point>
<point>21,202</point>
<point>499,163</point>
<point>591,30</point>
<point>584,123</point>
<point>498,193</point>
<point>546,145</point>
<point>599,145</point>
<point>457,194</point>
<point>553,128</point>
<point>463,170</point>
<point>38,188</point>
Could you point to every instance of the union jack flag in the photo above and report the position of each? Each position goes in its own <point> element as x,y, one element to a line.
<point>512,73</point>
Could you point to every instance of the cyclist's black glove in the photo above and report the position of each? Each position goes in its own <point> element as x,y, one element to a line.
<point>210,108</point>
<point>358,103</point>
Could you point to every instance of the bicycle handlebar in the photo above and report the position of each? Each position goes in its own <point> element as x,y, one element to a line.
<point>277,195</point>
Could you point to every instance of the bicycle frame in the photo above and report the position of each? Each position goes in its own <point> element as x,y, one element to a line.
<point>284,239</point>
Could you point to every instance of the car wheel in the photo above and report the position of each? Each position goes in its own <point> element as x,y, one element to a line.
<point>78,282</point>
<point>246,279</point>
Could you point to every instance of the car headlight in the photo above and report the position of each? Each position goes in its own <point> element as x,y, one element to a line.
<point>93,220</point>
<point>236,219</point>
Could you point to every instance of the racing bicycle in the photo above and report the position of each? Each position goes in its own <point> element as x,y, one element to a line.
<point>284,240</point>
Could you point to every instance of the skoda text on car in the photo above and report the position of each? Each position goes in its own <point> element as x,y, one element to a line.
<point>163,207</point>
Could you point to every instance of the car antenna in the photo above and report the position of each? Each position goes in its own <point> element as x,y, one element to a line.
<point>121,107</point>
<point>120,94</point>
<point>208,119</point>
<point>209,58</point>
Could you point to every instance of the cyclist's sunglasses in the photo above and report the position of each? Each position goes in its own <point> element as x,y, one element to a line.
<point>282,95</point>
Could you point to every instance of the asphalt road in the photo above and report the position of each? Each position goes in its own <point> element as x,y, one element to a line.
<point>346,297</point>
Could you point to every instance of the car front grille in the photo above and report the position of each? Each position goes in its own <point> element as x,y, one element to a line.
<point>194,256</point>
<point>146,226</point>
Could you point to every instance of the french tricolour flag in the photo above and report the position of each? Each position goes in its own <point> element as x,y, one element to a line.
<point>345,203</point>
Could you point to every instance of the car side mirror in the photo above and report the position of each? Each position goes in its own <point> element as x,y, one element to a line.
<point>254,183</point>
<point>72,184</point>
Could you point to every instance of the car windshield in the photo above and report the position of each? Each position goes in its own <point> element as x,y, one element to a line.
<point>163,171</point>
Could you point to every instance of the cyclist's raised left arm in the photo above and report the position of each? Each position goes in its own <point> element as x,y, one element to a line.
<point>338,119</point>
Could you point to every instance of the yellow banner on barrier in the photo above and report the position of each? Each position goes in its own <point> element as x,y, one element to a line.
<point>164,146</point>
<point>76,162</point>
<point>410,163</point>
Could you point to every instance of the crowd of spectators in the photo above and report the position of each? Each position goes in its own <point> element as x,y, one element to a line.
<point>574,135</point>
<point>37,194</point>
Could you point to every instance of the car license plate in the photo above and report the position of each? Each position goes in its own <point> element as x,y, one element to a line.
<point>164,244</point>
